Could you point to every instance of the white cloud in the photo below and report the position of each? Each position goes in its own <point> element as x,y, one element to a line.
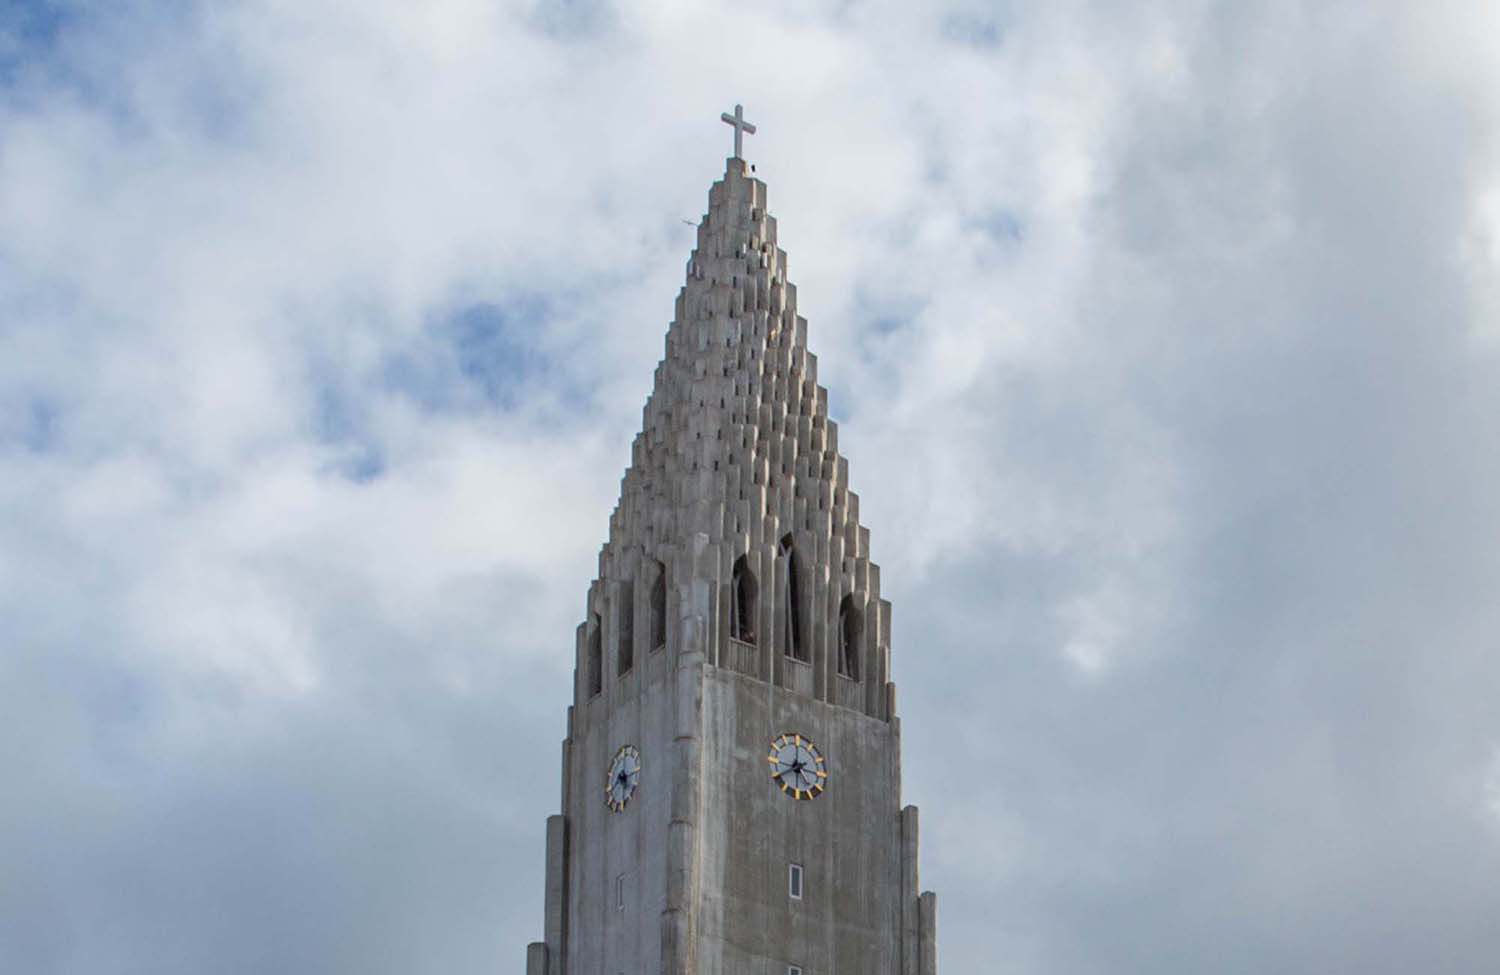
<point>1151,337</point>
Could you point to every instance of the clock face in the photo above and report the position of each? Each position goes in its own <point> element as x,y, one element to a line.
<point>797,766</point>
<point>624,775</point>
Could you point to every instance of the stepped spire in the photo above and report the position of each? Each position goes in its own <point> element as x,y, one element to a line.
<point>736,445</point>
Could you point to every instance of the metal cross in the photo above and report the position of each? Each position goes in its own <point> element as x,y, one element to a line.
<point>740,127</point>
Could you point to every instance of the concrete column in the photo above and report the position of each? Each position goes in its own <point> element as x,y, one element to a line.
<point>536,958</point>
<point>567,764</point>
<point>682,859</point>
<point>675,942</point>
<point>927,936</point>
<point>555,921</point>
<point>910,925</point>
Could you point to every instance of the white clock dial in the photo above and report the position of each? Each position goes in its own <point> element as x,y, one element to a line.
<point>797,766</point>
<point>624,776</point>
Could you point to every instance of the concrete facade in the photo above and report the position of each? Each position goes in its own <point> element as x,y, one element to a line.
<point>735,602</point>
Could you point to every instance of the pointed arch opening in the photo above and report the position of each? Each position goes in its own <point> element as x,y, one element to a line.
<point>625,617</point>
<point>659,608</point>
<point>794,633</point>
<point>742,594</point>
<point>851,637</point>
<point>595,655</point>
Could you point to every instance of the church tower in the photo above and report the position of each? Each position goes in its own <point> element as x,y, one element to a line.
<point>731,776</point>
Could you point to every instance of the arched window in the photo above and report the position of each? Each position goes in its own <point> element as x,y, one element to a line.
<point>742,592</point>
<point>851,631</point>
<point>659,608</point>
<point>793,643</point>
<point>596,655</point>
<point>625,617</point>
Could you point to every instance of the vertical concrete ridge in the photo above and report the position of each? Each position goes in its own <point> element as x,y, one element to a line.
<point>556,909</point>
<point>927,933</point>
<point>910,922</point>
<point>536,958</point>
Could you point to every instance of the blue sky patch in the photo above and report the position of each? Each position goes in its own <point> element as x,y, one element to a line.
<point>566,20</point>
<point>340,420</point>
<point>31,28</point>
<point>482,356</point>
<point>1001,225</point>
<point>973,30</point>
<point>875,307</point>
<point>41,432</point>
<point>496,347</point>
<point>51,47</point>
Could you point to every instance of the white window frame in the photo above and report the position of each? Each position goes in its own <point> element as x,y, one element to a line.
<point>794,970</point>
<point>796,881</point>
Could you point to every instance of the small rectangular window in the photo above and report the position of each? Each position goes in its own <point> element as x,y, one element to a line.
<point>793,970</point>
<point>794,881</point>
<point>620,892</point>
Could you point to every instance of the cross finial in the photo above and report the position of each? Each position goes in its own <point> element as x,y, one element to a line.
<point>740,128</point>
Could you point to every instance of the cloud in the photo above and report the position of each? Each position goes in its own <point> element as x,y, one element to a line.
<point>1162,343</point>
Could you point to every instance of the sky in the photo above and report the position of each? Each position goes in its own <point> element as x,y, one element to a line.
<point>1164,340</point>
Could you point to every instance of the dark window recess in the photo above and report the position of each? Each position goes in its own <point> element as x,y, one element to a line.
<point>793,637</point>
<point>596,656</point>
<point>742,596</point>
<point>625,617</point>
<point>851,637</point>
<point>659,608</point>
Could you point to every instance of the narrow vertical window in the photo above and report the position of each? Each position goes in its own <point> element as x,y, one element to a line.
<point>625,617</point>
<point>742,592</point>
<point>792,642</point>
<point>851,630</point>
<point>596,656</point>
<point>794,881</point>
<point>659,608</point>
<point>620,892</point>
